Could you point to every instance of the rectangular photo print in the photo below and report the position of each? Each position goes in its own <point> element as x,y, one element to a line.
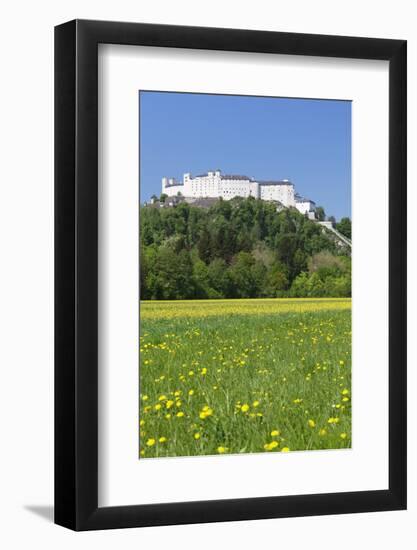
<point>245,274</point>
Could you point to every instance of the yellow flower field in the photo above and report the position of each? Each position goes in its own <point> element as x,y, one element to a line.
<point>239,376</point>
<point>163,309</point>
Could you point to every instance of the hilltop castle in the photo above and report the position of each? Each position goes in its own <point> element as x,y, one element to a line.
<point>215,185</point>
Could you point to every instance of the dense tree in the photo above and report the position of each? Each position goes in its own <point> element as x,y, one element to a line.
<point>328,276</point>
<point>220,279</point>
<point>201,278</point>
<point>345,227</point>
<point>238,248</point>
<point>204,245</point>
<point>246,275</point>
<point>320,214</point>
<point>276,281</point>
<point>170,275</point>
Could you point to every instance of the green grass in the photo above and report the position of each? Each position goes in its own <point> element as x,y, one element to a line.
<point>235,377</point>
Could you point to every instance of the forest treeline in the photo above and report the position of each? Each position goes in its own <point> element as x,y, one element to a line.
<point>242,248</point>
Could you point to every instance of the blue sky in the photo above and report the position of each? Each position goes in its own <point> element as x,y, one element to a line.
<point>306,141</point>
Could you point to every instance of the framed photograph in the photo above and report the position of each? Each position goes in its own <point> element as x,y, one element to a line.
<point>230,253</point>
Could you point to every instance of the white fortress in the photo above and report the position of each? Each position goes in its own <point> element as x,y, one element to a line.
<point>215,185</point>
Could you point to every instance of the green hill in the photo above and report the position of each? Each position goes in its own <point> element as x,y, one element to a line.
<point>242,248</point>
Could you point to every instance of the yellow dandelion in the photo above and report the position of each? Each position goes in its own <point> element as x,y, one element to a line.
<point>145,397</point>
<point>169,403</point>
<point>345,392</point>
<point>205,412</point>
<point>180,414</point>
<point>285,450</point>
<point>162,439</point>
<point>322,432</point>
<point>275,433</point>
<point>221,450</point>
<point>255,404</point>
<point>142,423</point>
<point>150,442</point>
<point>203,371</point>
<point>311,423</point>
<point>168,416</point>
<point>244,408</point>
<point>157,406</point>
<point>333,420</point>
<point>191,392</point>
<point>343,435</point>
<point>162,398</point>
<point>197,436</point>
<point>297,401</point>
<point>271,446</point>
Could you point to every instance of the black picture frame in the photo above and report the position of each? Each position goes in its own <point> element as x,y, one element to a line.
<point>76,274</point>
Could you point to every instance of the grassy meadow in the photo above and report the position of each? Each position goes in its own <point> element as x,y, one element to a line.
<point>244,375</point>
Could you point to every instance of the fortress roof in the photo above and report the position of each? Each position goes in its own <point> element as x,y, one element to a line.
<point>175,184</point>
<point>274,182</point>
<point>235,177</point>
